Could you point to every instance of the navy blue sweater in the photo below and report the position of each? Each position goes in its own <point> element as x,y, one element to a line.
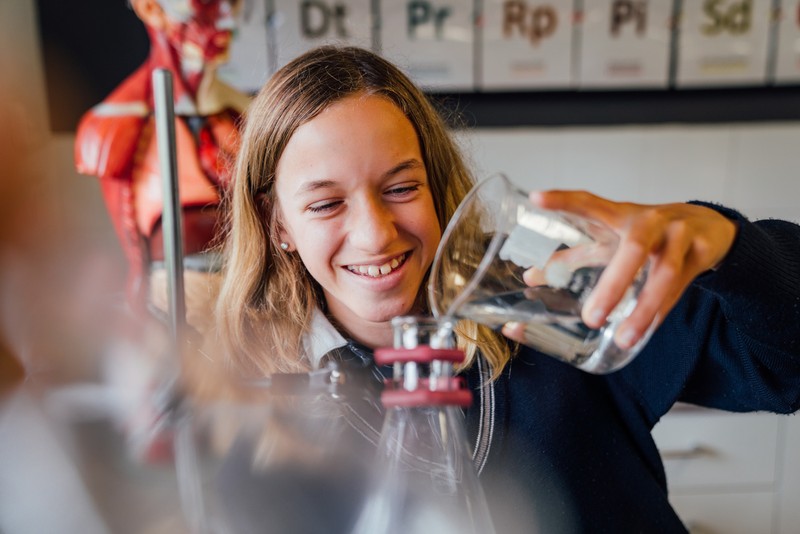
<point>572,452</point>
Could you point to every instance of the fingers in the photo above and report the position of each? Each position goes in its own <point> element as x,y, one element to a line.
<point>632,254</point>
<point>580,203</point>
<point>534,277</point>
<point>669,274</point>
<point>636,242</point>
<point>514,331</point>
<point>679,240</point>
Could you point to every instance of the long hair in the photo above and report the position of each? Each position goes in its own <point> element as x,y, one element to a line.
<point>267,296</point>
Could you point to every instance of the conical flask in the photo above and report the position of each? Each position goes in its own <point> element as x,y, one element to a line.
<point>424,479</point>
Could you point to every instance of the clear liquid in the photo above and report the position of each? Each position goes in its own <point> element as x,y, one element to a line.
<point>552,320</point>
<point>551,317</point>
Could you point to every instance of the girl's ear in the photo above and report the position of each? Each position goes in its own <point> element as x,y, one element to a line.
<point>151,13</point>
<point>287,244</point>
<point>285,240</point>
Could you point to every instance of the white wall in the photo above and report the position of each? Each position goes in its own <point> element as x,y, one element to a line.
<point>750,167</point>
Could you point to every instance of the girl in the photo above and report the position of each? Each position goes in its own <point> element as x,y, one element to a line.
<point>345,180</point>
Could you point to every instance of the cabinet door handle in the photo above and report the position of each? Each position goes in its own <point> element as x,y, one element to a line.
<point>693,452</point>
<point>697,527</point>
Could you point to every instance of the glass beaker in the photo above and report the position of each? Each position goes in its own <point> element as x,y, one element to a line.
<point>495,236</point>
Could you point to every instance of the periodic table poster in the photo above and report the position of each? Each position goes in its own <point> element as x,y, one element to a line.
<point>787,60</point>
<point>526,44</point>
<point>625,43</point>
<point>454,45</point>
<point>301,26</point>
<point>723,43</point>
<point>431,40</point>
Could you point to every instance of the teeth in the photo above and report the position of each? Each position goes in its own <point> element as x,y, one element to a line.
<point>377,270</point>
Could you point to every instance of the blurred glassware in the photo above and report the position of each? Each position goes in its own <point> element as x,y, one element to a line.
<point>286,457</point>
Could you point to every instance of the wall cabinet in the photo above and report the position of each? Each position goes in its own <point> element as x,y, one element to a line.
<point>732,473</point>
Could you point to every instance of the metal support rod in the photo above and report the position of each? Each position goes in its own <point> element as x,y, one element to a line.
<point>171,219</point>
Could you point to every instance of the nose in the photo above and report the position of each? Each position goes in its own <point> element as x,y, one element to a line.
<point>371,226</point>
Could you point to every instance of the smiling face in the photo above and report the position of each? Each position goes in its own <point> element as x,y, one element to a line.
<point>355,204</point>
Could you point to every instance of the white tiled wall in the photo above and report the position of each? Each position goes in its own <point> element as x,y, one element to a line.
<point>754,168</point>
<point>764,176</point>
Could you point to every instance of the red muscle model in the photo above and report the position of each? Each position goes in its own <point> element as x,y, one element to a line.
<point>116,138</point>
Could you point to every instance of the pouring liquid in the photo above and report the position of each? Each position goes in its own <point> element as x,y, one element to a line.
<point>552,316</point>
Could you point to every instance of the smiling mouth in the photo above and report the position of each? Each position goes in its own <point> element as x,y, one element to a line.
<point>376,271</point>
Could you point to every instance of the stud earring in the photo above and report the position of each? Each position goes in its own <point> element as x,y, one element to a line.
<point>284,246</point>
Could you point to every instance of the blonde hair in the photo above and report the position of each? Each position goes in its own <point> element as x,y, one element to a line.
<point>267,296</point>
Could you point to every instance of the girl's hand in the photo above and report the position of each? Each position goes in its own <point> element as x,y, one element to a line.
<point>681,241</point>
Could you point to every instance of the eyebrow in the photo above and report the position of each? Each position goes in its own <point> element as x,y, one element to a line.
<point>411,163</point>
<point>314,185</point>
<point>308,187</point>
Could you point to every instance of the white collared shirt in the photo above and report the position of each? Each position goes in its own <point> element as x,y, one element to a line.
<point>321,338</point>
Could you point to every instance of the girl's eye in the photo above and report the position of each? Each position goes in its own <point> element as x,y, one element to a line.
<point>323,206</point>
<point>402,191</point>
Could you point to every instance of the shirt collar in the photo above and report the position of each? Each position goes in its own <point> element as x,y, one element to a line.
<point>321,338</point>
